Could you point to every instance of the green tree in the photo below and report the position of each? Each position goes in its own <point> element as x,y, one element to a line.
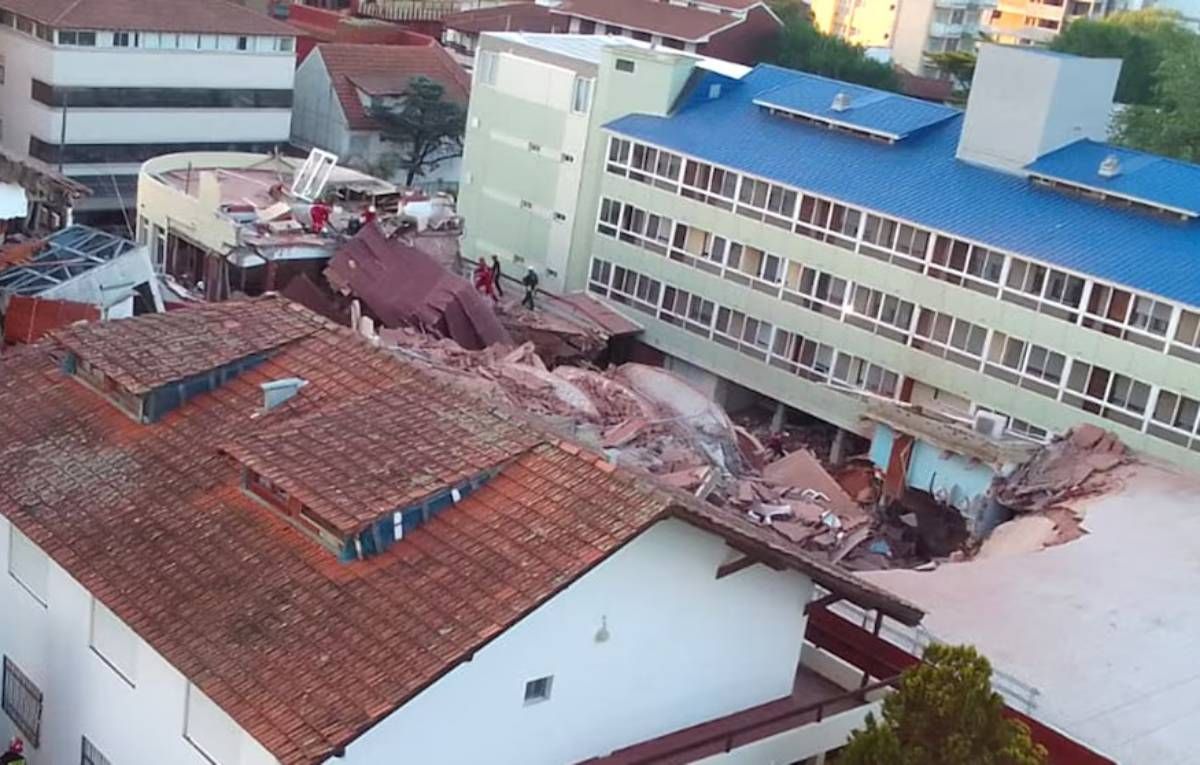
<point>800,45</point>
<point>1141,39</point>
<point>944,713</point>
<point>425,127</point>
<point>1171,125</point>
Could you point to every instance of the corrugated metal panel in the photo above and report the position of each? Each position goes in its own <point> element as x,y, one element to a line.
<point>1140,176</point>
<point>920,180</point>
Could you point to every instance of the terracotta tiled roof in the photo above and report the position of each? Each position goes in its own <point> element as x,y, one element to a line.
<point>387,69</point>
<point>514,17</point>
<point>212,16</point>
<point>169,347</point>
<point>302,651</point>
<point>674,21</point>
<point>334,463</point>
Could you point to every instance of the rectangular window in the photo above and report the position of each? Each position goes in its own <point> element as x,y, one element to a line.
<point>881,313</point>
<point>91,755</point>
<point>1175,419</point>
<point>1111,395</point>
<point>243,43</point>
<point>1044,289</point>
<point>114,642</point>
<point>22,702</point>
<point>208,728</point>
<point>538,690</point>
<point>28,564</point>
<point>624,65</point>
<point>121,39</point>
<point>970,266</point>
<point>485,67</point>
<point>951,338</point>
<point>581,95</point>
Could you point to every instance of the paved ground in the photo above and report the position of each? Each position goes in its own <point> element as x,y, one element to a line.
<point>1107,627</point>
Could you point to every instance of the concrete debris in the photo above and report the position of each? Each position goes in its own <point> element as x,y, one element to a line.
<point>1080,464</point>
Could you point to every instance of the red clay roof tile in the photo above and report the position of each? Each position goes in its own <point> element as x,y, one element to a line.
<point>302,651</point>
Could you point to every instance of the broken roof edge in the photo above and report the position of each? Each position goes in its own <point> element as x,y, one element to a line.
<point>845,584</point>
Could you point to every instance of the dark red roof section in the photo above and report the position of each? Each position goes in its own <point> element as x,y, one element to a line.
<point>211,16</point>
<point>402,286</point>
<point>29,319</point>
<point>334,463</point>
<point>304,652</point>
<point>514,17</point>
<point>168,347</point>
<point>389,68</point>
<point>674,21</point>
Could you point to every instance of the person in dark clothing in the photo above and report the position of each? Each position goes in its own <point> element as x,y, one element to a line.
<point>496,274</point>
<point>531,283</point>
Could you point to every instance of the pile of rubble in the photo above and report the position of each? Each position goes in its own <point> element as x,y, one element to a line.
<point>1080,464</point>
<point>648,419</point>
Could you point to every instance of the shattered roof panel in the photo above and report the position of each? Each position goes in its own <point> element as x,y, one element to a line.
<point>62,256</point>
<point>168,347</point>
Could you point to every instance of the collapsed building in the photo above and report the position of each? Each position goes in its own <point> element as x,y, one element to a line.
<point>224,223</point>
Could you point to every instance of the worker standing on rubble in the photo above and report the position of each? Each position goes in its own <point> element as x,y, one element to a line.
<point>531,284</point>
<point>496,274</point>
<point>485,280</point>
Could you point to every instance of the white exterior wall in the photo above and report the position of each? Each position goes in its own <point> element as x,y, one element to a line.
<point>1024,105</point>
<point>684,647</point>
<point>317,116</point>
<point>910,37</point>
<point>28,58</point>
<point>84,696</point>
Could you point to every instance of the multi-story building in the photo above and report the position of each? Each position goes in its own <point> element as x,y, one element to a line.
<point>868,23</point>
<point>925,27</point>
<point>96,87</point>
<point>1036,22</point>
<point>299,548</point>
<point>734,30</point>
<point>823,244</point>
<point>533,147</point>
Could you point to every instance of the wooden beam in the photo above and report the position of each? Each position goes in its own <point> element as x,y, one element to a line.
<point>822,602</point>
<point>735,565</point>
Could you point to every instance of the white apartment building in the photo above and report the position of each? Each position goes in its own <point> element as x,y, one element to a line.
<point>99,86</point>
<point>187,579</point>
<point>925,27</point>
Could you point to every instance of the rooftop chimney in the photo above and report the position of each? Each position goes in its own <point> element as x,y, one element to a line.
<point>279,392</point>
<point>1026,102</point>
<point>1110,166</point>
<point>841,102</point>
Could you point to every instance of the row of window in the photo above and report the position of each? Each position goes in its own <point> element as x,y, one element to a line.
<point>22,702</point>
<point>159,98</point>
<point>750,335</point>
<point>88,38</point>
<point>1131,316</point>
<point>1100,391</point>
<point>117,153</point>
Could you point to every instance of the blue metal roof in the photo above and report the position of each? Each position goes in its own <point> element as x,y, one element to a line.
<point>875,111</point>
<point>920,180</point>
<point>1142,177</point>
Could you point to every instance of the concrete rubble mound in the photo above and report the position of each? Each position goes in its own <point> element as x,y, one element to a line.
<point>1078,465</point>
<point>649,419</point>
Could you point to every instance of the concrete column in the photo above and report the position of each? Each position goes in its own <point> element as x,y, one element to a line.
<point>837,448</point>
<point>778,417</point>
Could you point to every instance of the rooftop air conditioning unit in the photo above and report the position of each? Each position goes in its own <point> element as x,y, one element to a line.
<point>989,424</point>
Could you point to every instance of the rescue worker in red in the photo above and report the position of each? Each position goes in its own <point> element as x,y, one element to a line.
<point>485,280</point>
<point>320,216</point>
<point>15,754</point>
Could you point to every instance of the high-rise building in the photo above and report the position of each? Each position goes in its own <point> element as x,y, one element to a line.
<point>925,27</point>
<point>822,245</point>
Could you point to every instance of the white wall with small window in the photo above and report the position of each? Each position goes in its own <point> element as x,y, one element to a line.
<point>106,695</point>
<point>599,666</point>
